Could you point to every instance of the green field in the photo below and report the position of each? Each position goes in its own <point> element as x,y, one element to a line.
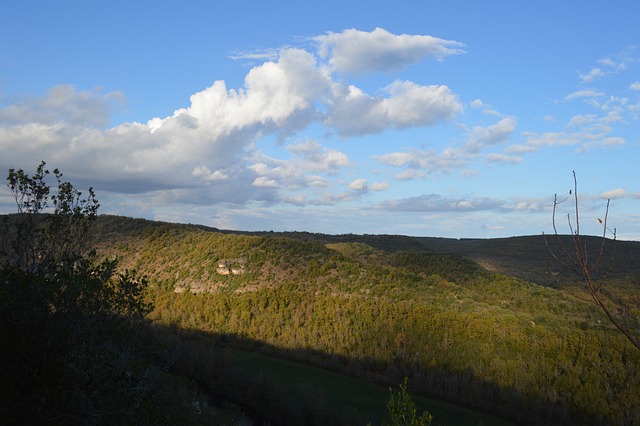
<point>344,391</point>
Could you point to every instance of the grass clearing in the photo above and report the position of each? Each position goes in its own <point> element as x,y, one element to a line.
<point>351,393</point>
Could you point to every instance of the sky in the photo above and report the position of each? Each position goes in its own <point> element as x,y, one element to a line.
<point>457,119</point>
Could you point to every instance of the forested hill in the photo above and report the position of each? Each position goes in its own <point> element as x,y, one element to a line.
<point>451,315</point>
<point>525,257</point>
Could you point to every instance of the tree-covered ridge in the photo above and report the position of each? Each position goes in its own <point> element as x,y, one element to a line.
<point>457,331</point>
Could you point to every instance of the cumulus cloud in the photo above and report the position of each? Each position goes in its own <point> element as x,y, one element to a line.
<point>214,131</point>
<point>635,85</point>
<point>482,137</point>
<point>265,182</point>
<point>273,93</point>
<point>406,105</point>
<point>207,151</point>
<point>207,175</point>
<point>358,185</point>
<point>423,162</point>
<point>354,51</point>
<point>212,139</point>
<point>318,158</point>
<point>477,103</point>
<point>293,174</point>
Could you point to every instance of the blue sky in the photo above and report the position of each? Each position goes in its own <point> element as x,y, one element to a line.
<point>451,119</point>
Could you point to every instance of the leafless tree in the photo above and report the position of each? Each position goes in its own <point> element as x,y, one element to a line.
<point>573,254</point>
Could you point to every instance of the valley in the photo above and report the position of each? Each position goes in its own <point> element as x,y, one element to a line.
<point>492,325</point>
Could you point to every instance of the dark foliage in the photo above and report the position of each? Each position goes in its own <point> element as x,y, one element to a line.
<point>72,328</point>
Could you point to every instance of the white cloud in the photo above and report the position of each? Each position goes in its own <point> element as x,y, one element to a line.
<point>585,93</point>
<point>610,65</point>
<point>407,105</point>
<point>595,136</point>
<point>531,205</point>
<point>206,174</point>
<point>265,182</point>
<point>358,185</point>
<point>425,162</point>
<point>354,51</point>
<point>486,108</point>
<point>482,137</point>
<point>610,142</point>
<point>503,158</point>
<point>318,158</point>
<point>635,85</point>
<point>63,104</point>
<point>410,174</point>
<point>580,120</point>
<point>317,181</point>
<point>614,194</point>
<point>208,151</point>
<point>435,202</point>
<point>379,186</point>
<point>211,142</point>
<point>620,61</point>
<point>592,75</point>
<point>273,93</point>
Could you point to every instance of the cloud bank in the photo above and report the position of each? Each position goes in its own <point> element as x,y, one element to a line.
<point>285,138</point>
<point>209,147</point>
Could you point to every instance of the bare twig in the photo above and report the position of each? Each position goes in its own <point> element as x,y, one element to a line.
<point>579,259</point>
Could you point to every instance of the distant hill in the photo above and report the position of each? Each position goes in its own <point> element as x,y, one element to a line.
<point>525,257</point>
<point>529,257</point>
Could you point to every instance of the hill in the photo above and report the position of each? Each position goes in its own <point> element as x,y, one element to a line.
<point>525,257</point>
<point>455,316</point>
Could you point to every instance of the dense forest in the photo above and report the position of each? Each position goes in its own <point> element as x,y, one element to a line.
<point>383,308</point>
<point>492,325</point>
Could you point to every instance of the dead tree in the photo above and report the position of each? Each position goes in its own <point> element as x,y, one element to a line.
<point>572,253</point>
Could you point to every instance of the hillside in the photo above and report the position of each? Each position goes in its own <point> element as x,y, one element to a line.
<point>525,257</point>
<point>385,307</point>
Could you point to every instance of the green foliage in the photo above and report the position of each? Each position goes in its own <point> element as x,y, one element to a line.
<point>457,330</point>
<point>44,243</point>
<point>403,411</point>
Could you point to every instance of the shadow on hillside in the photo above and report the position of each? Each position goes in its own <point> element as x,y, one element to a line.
<point>306,386</point>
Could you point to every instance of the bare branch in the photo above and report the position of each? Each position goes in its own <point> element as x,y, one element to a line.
<point>580,260</point>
